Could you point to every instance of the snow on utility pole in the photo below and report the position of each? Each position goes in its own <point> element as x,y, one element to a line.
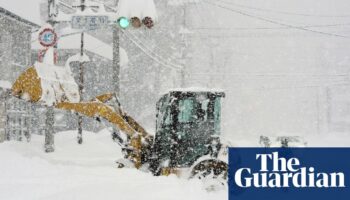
<point>50,113</point>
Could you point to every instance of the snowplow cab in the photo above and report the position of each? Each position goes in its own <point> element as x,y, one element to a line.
<point>188,127</point>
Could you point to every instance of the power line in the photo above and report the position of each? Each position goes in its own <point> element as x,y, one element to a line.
<point>161,50</point>
<point>276,74</point>
<point>275,22</point>
<point>160,57</point>
<point>153,57</point>
<point>241,80</point>
<point>271,28</point>
<point>282,12</point>
<point>156,47</point>
<point>287,87</point>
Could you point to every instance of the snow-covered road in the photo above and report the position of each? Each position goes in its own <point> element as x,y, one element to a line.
<point>84,172</point>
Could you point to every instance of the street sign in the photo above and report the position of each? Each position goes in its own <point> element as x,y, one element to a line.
<point>47,37</point>
<point>89,22</point>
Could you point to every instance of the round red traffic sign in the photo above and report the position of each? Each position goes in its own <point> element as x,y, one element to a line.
<point>47,37</point>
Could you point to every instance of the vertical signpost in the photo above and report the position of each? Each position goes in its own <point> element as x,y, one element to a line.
<point>48,38</point>
<point>78,22</point>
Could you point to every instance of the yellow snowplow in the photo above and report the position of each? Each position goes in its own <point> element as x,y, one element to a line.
<point>55,86</point>
<point>188,123</point>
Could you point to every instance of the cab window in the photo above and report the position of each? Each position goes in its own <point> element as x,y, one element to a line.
<point>186,110</point>
<point>217,120</point>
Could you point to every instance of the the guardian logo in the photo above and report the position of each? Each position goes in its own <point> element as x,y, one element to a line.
<point>280,172</point>
<point>289,173</point>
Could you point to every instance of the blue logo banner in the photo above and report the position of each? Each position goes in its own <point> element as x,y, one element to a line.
<point>289,173</point>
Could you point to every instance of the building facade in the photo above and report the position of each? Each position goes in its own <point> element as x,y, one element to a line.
<point>15,42</point>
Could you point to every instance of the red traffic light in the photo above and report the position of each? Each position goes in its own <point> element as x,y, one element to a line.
<point>148,22</point>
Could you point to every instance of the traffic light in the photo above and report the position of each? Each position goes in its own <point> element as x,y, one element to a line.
<point>124,22</point>
<point>148,22</point>
<point>136,22</point>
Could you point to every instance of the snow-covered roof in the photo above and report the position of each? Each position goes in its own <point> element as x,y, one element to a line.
<point>137,8</point>
<point>196,89</point>
<point>28,10</point>
<point>5,84</point>
<point>91,44</point>
<point>192,89</point>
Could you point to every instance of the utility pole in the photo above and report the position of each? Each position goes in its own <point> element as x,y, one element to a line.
<point>82,7</point>
<point>183,49</point>
<point>116,58</point>
<point>81,79</point>
<point>50,113</point>
<point>116,63</point>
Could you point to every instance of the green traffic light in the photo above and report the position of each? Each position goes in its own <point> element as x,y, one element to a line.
<point>124,22</point>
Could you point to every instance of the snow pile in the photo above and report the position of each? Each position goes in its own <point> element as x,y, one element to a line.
<point>137,8</point>
<point>192,89</point>
<point>196,89</point>
<point>86,172</point>
<point>57,84</point>
<point>77,58</point>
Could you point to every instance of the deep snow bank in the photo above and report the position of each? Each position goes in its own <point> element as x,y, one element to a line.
<point>84,172</point>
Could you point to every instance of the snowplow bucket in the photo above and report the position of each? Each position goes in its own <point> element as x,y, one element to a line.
<point>47,85</point>
<point>55,86</point>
